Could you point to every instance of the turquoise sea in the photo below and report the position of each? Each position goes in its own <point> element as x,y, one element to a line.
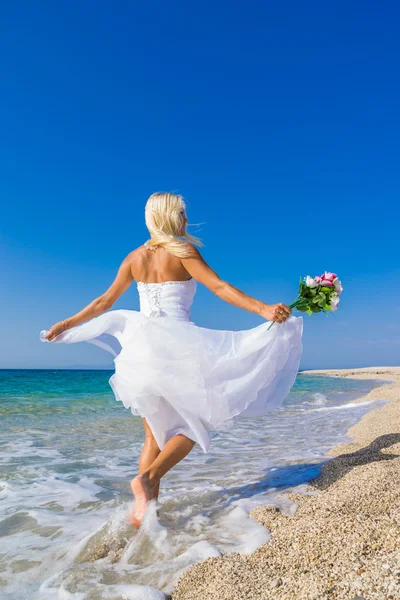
<point>69,450</point>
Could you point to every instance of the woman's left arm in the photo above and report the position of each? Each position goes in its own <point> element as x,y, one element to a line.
<point>99,305</point>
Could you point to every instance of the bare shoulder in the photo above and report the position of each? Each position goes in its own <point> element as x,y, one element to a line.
<point>192,251</point>
<point>135,257</point>
<point>137,253</point>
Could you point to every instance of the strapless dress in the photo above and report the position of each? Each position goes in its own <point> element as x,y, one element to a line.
<point>187,379</point>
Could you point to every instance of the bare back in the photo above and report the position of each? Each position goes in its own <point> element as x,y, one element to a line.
<point>156,266</point>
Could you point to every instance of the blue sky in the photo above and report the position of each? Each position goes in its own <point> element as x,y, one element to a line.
<point>278,123</point>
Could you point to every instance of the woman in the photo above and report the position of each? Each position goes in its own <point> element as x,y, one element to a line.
<point>183,380</point>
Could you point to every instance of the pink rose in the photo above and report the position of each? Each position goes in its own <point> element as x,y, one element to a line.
<point>318,279</point>
<point>326,283</point>
<point>329,276</point>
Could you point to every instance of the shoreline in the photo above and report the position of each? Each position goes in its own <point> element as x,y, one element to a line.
<point>341,543</point>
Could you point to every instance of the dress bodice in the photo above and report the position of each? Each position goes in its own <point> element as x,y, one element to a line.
<point>168,299</point>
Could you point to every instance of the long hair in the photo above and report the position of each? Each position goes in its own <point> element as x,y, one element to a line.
<point>165,220</point>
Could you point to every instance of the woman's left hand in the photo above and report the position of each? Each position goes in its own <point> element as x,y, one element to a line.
<point>56,330</point>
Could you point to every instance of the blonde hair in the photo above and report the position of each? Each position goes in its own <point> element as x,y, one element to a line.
<point>166,224</point>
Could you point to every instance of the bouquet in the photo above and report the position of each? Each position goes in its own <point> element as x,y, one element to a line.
<point>318,294</point>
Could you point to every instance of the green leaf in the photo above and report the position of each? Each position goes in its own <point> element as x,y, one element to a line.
<point>309,312</point>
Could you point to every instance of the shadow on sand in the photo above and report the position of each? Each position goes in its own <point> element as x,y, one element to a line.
<point>322,474</point>
<point>339,466</point>
<point>279,479</point>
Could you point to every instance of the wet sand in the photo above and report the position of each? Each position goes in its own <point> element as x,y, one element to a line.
<point>344,539</point>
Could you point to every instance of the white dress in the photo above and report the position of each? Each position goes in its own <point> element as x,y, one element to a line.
<point>188,379</point>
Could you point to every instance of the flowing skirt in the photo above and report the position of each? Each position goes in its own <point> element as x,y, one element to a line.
<point>187,379</point>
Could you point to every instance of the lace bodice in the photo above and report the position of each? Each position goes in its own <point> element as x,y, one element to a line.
<point>168,299</point>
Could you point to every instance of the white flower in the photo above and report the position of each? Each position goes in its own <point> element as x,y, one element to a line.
<point>338,286</point>
<point>310,282</point>
<point>334,301</point>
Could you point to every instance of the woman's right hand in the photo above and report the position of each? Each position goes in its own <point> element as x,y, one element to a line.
<point>276,312</point>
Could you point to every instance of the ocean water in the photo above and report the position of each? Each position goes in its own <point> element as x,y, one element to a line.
<point>68,451</point>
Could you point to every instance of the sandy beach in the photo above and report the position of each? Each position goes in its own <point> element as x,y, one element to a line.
<point>344,539</point>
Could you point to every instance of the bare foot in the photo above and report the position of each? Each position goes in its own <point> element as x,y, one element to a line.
<point>134,521</point>
<point>142,493</point>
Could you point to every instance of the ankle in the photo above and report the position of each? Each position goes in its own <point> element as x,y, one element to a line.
<point>151,478</point>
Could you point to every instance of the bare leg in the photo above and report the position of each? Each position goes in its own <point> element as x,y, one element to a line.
<point>149,453</point>
<point>144,484</point>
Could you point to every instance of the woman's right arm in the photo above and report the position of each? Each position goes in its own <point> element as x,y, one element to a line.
<point>197,267</point>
